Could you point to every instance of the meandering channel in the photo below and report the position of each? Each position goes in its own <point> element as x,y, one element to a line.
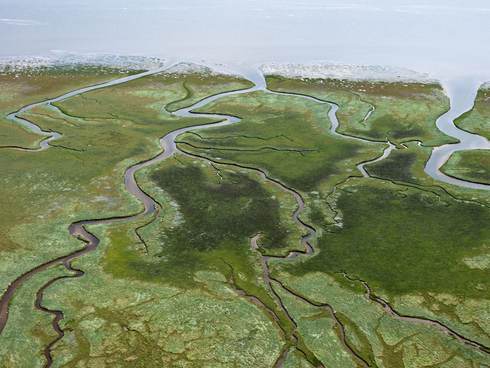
<point>334,125</point>
<point>462,93</point>
<point>51,136</point>
<point>150,206</point>
<point>78,229</point>
<point>45,144</point>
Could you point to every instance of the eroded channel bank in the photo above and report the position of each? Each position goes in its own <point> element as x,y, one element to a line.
<point>169,148</point>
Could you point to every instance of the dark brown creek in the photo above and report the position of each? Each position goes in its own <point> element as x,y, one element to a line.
<point>79,229</point>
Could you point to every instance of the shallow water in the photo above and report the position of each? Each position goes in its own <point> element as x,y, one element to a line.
<point>447,37</point>
<point>462,93</point>
<point>450,39</point>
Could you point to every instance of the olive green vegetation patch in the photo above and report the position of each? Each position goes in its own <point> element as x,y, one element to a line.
<point>32,85</point>
<point>287,136</point>
<point>198,86</point>
<point>397,166</point>
<point>140,324</point>
<point>214,216</point>
<point>204,214</point>
<point>379,111</point>
<point>15,136</point>
<point>403,240</point>
<point>477,120</point>
<point>215,213</point>
<point>469,165</point>
<point>382,340</point>
<point>81,175</point>
<point>146,100</point>
<point>20,88</point>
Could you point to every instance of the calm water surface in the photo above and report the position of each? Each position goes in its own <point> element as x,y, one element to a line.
<point>445,37</point>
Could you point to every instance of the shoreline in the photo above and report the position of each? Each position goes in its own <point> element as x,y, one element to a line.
<point>382,73</point>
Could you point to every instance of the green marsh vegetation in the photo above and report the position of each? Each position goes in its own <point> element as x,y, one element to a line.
<point>81,175</point>
<point>402,111</point>
<point>184,288</point>
<point>203,214</point>
<point>198,86</point>
<point>199,249</point>
<point>404,240</point>
<point>469,165</point>
<point>404,254</point>
<point>22,87</point>
<point>287,136</point>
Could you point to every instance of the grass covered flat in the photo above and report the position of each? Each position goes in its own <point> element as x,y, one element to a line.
<point>379,111</point>
<point>287,136</point>
<point>154,323</point>
<point>198,250</point>
<point>469,165</point>
<point>391,236</point>
<point>78,177</point>
<point>202,214</point>
<point>19,88</point>
<point>268,246</point>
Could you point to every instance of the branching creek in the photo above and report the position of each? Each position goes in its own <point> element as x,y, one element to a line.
<point>151,207</point>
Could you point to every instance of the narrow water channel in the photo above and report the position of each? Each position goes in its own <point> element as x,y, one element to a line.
<point>462,93</point>
<point>50,135</point>
<point>78,229</point>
